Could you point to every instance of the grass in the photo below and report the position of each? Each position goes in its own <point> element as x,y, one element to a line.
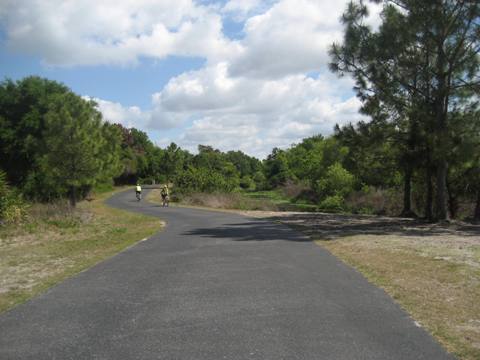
<point>282,202</point>
<point>435,279</point>
<point>216,201</point>
<point>273,200</point>
<point>274,196</point>
<point>57,242</point>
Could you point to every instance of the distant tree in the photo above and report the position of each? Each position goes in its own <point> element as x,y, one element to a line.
<point>246,165</point>
<point>173,159</point>
<point>110,153</point>
<point>276,168</point>
<point>137,155</point>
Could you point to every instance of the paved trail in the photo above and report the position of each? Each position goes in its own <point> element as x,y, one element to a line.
<point>214,286</point>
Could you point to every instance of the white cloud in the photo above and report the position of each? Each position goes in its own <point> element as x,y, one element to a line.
<point>90,32</point>
<point>114,112</point>
<point>292,37</point>
<point>254,114</point>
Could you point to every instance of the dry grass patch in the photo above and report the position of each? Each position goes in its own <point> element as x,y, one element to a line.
<point>431,270</point>
<point>57,242</point>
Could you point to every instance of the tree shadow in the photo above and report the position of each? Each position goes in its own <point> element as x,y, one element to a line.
<point>256,230</point>
<point>332,226</point>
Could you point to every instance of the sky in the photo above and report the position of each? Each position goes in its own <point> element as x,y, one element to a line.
<point>244,75</point>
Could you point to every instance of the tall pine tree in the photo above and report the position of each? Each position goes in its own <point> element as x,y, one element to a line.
<point>74,142</point>
<point>422,60</point>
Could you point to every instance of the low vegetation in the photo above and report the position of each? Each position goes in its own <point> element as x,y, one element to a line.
<point>271,200</point>
<point>55,241</point>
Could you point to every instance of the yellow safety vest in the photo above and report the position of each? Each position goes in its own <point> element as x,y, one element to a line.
<point>139,188</point>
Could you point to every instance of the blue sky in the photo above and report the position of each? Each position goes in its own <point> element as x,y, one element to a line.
<point>129,85</point>
<point>237,74</point>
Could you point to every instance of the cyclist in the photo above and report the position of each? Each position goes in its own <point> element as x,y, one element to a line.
<point>138,192</point>
<point>165,197</point>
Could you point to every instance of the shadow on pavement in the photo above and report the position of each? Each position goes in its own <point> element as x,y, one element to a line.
<point>331,226</point>
<point>250,231</point>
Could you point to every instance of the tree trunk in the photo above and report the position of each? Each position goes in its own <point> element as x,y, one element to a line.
<point>441,132</point>
<point>441,203</point>
<point>407,193</point>
<point>429,200</point>
<point>452,203</point>
<point>73,196</point>
<point>476,215</point>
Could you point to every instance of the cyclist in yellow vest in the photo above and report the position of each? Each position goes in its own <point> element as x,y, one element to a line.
<point>164,193</point>
<point>138,191</point>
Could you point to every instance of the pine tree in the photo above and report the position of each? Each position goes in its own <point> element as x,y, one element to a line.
<point>74,142</point>
<point>422,60</point>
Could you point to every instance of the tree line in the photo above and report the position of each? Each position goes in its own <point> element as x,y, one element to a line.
<point>55,144</point>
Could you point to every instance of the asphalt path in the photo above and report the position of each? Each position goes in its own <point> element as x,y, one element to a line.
<point>211,286</point>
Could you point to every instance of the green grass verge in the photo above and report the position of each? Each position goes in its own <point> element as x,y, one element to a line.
<point>55,243</point>
<point>282,202</point>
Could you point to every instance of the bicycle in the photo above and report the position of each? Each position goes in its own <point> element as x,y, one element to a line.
<point>165,200</point>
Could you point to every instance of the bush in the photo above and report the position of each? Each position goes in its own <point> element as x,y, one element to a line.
<point>260,181</point>
<point>205,180</point>
<point>334,203</point>
<point>103,187</point>
<point>12,207</point>
<point>292,189</point>
<point>337,181</point>
<point>375,201</point>
<point>246,183</point>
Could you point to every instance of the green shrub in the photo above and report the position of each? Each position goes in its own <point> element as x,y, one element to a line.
<point>103,187</point>
<point>12,207</point>
<point>205,180</point>
<point>337,181</point>
<point>334,203</point>
<point>246,183</point>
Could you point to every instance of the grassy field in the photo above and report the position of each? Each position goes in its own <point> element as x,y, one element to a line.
<point>56,242</point>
